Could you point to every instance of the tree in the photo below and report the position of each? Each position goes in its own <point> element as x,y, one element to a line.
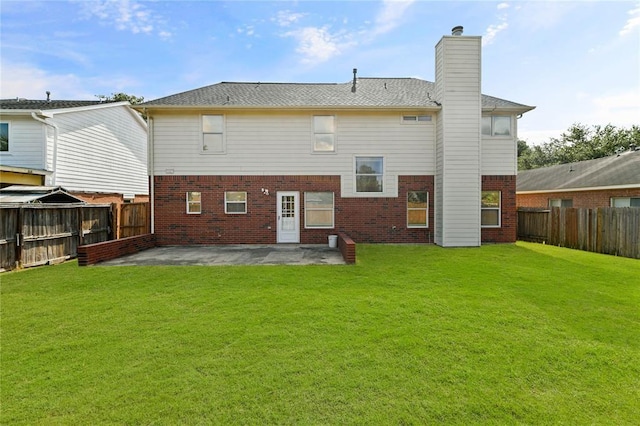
<point>121,96</point>
<point>578,143</point>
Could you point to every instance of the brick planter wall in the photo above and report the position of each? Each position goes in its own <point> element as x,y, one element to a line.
<point>347,247</point>
<point>94,253</point>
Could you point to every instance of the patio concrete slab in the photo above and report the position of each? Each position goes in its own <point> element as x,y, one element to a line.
<point>240,254</point>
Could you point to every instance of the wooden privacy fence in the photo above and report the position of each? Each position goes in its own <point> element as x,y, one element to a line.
<point>608,230</point>
<point>133,219</point>
<point>39,234</point>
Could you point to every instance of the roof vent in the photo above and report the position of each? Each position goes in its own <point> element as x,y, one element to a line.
<point>457,31</point>
<point>48,96</point>
<point>355,80</point>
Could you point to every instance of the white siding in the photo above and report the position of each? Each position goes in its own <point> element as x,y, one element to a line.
<point>499,156</point>
<point>458,177</point>
<point>27,147</point>
<point>102,150</point>
<point>281,144</point>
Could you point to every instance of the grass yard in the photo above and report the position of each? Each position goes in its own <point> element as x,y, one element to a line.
<point>501,334</point>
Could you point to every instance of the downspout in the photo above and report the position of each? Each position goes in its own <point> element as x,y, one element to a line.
<point>150,166</point>
<point>55,145</point>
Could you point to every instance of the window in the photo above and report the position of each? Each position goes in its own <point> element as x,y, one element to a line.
<point>235,202</point>
<point>561,203</point>
<point>412,119</point>
<point>318,209</point>
<point>490,209</point>
<point>496,125</point>
<point>4,137</point>
<point>213,134</point>
<point>324,133</point>
<point>194,203</point>
<point>369,174</point>
<point>625,202</point>
<point>417,209</point>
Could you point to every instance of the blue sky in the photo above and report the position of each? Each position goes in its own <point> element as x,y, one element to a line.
<point>575,61</point>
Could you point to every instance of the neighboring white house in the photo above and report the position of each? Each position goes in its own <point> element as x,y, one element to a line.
<point>381,159</point>
<point>97,150</point>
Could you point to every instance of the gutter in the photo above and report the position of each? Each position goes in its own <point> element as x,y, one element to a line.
<point>55,145</point>
<point>590,188</point>
<point>150,166</point>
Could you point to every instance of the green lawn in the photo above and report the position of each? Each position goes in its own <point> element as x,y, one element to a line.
<point>502,334</point>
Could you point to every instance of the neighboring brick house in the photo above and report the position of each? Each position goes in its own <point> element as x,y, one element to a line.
<point>612,181</point>
<point>96,150</point>
<point>398,160</point>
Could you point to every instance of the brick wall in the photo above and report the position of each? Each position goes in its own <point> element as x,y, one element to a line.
<point>94,253</point>
<point>365,219</point>
<point>509,215</point>
<point>581,199</point>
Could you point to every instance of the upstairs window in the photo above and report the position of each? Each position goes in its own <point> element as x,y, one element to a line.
<point>4,137</point>
<point>213,134</point>
<point>369,174</point>
<point>324,129</point>
<point>194,203</point>
<point>413,119</point>
<point>496,125</point>
<point>417,208</point>
<point>490,209</point>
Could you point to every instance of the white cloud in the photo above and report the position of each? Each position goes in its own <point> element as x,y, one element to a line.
<point>125,15</point>
<point>494,29</point>
<point>27,81</point>
<point>286,18</point>
<point>318,45</point>
<point>390,16</point>
<point>620,109</point>
<point>492,32</point>
<point>633,21</point>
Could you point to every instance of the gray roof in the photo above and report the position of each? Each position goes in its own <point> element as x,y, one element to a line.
<point>615,170</point>
<point>370,93</point>
<point>19,194</point>
<point>29,104</point>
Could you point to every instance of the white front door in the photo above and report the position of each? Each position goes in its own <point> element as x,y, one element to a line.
<point>288,217</point>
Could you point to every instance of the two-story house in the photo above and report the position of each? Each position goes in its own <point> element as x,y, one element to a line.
<point>382,159</point>
<point>96,150</point>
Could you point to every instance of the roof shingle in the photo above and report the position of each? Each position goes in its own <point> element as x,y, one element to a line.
<point>623,169</point>
<point>370,93</point>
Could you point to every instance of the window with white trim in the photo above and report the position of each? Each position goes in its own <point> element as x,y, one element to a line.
<point>496,125</point>
<point>194,202</point>
<point>557,202</point>
<point>4,137</point>
<point>414,119</point>
<point>490,209</point>
<point>417,209</point>
<point>369,174</point>
<point>235,202</point>
<point>324,129</point>
<point>625,201</point>
<point>213,134</point>
<point>318,210</point>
